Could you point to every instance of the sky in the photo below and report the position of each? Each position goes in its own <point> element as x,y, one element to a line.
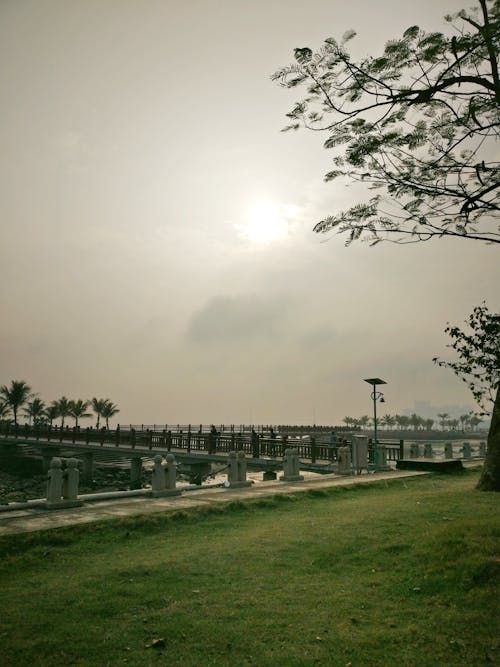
<point>156,226</point>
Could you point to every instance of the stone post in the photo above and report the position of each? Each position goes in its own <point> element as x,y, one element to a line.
<point>158,481</point>
<point>164,477</point>
<point>466,450</point>
<point>382,458</point>
<point>136,473</point>
<point>359,453</point>
<point>482,450</point>
<point>236,474</point>
<point>54,483</point>
<point>71,478</point>
<point>428,451</point>
<point>291,467</point>
<point>414,451</point>
<point>344,465</point>
<point>448,450</point>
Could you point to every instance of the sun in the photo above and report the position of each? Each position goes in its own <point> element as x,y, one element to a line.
<point>265,223</point>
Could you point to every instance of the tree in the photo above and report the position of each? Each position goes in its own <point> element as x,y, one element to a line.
<point>429,423</point>
<point>443,416</point>
<point>52,412</point>
<point>77,410</point>
<point>63,409</point>
<point>478,365</point>
<point>16,395</point>
<point>4,410</point>
<point>416,421</point>
<point>417,123</point>
<point>109,410</point>
<point>388,421</point>
<point>35,410</point>
<point>97,405</point>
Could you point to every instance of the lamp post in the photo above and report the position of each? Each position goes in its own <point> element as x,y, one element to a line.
<point>375,396</point>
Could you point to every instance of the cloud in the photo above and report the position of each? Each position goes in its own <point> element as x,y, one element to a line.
<point>229,318</point>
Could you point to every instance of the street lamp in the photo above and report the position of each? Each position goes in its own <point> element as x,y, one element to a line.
<point>375,396</point>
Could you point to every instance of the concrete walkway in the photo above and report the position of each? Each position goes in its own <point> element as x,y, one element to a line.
<point>30,519</point>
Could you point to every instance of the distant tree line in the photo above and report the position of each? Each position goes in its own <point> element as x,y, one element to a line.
<point>18,397</point>
<point>467,422</point>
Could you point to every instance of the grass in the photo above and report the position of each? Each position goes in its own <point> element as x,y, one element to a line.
<point>400,573</point>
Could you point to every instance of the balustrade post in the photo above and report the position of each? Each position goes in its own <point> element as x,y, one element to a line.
<point>117,435</point>
<point>466,450</point>
<point>448,450</point>
<point>428,451</point>
<point>291,467</point>
<point>132,437</point>
<point>149,437</point>
<point>401,449</point>
<point>169,440</point>
<point>313,449</point>
<point>344,462</point>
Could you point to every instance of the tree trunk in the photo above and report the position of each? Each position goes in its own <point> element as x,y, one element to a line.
<point>490,477</point>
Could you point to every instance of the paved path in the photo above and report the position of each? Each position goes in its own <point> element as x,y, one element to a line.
<point>39,518</point>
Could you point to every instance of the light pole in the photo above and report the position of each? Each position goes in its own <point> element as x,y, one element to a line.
<point>375,396</point>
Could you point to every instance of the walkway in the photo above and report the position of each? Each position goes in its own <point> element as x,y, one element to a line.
<point>39,518</point>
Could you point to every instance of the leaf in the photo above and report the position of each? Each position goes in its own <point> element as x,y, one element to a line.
<point>348,35</point>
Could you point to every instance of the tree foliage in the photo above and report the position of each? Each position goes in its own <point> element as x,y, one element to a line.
<point>417,123</point>
<point>478,365</point>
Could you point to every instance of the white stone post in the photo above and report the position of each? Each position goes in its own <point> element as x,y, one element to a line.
<point>382,458</point>
<point>428,451</point>
<point>164,478</point>
<point>158,481</point>
<point>54,483</point>
<point>291,467</point>
<point>70,481</point>
<point>466,450</point>
<point>448,450</point>
<point>171,473</point>
<point>344,466</point>
<point>237,471</point>
<point>359,453</point>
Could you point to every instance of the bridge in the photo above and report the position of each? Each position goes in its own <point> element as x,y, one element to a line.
<point>194,450</point>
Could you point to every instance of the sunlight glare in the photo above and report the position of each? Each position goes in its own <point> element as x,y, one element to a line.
<point>266,222</point>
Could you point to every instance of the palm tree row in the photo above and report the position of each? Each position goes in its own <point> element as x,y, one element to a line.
<point>414,422</point>
<point>19,395</point>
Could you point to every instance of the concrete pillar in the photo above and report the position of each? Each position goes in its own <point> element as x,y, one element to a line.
<point>88,466</point>
<point>466,450</point>
<point>70,481</point>
<point>344,464</point>
<point>359,453</point>
<point>448,450</point>
<point>414,451</point>
<point>136,473</point>
<point>428,451</point>
<point>54,483</point>
<point>237,471</point>
<point>291,467</point>
<point>158,481</point>
<point>164,478</point>
<point>382,458</point>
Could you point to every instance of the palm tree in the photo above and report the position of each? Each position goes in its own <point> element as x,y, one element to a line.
<point>388,421</point>
<point>404,422</point>
<point>98,406</point>
<point>63,409</point>
<point>34,410</point>
<point>16,395</point>
<point>52,412</point>
<point>454,423</point>
<point>4,410</point>
<point>429,423</point>
<point>415,421</point>
<point>77,410</point>
<point>443,416</point>
<point>109,410</point>
<point>364,421</point>
<point>347,421</point>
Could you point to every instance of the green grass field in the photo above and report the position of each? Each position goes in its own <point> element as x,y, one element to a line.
<point>399,573</point>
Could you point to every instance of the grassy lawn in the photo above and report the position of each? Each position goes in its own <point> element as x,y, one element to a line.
<point>399,573</point>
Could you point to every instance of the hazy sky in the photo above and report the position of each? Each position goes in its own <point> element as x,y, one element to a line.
<point>156,243</point>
